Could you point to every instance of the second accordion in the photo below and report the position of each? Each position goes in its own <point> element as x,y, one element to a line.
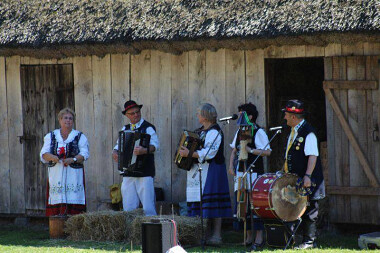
<point>191,141</point>
<point>129,162</point>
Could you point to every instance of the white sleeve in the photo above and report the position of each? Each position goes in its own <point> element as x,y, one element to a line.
<point>117,141</point>
<point>84,149</point>
<point>311,145</point>
<point>261,139</point>
<point>45,147</point>
<point>210,137</point>
<point>153,137</point>
<point>233,143</point>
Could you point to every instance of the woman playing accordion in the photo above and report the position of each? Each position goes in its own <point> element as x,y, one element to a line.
<point>215,194</point>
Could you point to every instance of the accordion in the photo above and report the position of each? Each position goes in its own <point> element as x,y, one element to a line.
<point>129,162</point>
<point>191,141</point>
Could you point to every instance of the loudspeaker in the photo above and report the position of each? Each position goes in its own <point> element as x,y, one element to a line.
<point>157,236</point>
<point>277,234</point>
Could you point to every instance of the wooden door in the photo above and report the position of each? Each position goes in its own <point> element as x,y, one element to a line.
<point>352,111</point>
<point>46,89</point>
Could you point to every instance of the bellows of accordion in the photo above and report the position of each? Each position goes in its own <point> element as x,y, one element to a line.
<point>191,141</point>
<point>129,162</point>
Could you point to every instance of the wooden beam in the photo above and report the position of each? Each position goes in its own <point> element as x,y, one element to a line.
<point>341,190</point>
<point>351,85</point>
<point>355,145</point>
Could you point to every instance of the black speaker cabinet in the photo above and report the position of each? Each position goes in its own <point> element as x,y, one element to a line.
<point>277,234</point>
<point>157,236</point>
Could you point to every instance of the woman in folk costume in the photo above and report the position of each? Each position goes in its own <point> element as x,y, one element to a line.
<point>216,202</point>
<point>64,151</point>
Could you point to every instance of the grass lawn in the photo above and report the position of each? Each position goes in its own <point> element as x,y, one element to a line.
<point>36,239</point>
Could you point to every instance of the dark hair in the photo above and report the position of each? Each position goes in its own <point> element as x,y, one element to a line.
<point>250,109</point>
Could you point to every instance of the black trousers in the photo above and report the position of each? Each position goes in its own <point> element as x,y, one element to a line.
<point>309,222</point>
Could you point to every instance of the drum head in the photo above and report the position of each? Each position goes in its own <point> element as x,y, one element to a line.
<point>286,202</point>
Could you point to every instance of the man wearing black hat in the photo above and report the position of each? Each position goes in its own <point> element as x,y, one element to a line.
<point>302,158</point>
<point>136,188</point>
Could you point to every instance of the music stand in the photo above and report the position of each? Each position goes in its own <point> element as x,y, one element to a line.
<point>200,183</point>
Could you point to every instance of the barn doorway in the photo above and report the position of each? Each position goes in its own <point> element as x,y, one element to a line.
<point>295,78</point>
<point>46,89</point>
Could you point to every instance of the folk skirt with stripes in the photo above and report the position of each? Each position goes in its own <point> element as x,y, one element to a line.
<point>216,202</point>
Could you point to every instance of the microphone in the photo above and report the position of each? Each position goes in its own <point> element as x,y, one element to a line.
<point>232,117</point>
<point>276,128</point>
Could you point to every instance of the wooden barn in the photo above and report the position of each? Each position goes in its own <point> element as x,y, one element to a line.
<point>172,55</point>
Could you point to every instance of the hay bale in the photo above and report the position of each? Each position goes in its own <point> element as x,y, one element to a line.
<point>188,228</point>
<point>101,226</point>
<point>126,226</point>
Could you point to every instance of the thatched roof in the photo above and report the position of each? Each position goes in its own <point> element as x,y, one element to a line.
<point>181,24</point>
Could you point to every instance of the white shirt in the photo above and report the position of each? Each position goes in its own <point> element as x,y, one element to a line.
<point>153,135</point>
<point>210,137</point>
<point>311,143</point>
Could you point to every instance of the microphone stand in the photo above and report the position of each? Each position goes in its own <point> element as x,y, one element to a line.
<point>250,171</point>
<point>200,184</point>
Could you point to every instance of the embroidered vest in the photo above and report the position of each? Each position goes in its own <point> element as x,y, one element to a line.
<point>297,161</point>
<point>71,149</point>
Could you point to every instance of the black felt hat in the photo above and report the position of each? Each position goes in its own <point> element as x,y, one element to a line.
<point>294,106</point>
<point>130,104</point>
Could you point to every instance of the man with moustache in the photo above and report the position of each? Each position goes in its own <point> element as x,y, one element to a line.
<point>138,187</point>
<point>302,158</point>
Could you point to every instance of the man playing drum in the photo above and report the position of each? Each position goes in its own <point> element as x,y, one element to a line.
<point>302,158</point>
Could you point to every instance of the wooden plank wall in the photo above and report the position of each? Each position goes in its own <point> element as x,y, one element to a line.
<point>15,129</point>
<point>170,87</point>
<point>361,109</point>
<point>5,186</point>
<point>176,87</point>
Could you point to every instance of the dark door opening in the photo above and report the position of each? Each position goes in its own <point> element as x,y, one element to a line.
<point>296,78</point>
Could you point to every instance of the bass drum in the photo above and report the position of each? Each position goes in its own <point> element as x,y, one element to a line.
<point>275,197</point>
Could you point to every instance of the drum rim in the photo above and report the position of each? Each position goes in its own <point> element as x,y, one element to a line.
<point>270,204</point>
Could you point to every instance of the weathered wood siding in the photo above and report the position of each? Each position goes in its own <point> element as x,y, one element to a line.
<point>46,89</point>
<point>171,87</point>
<point>15,129</point>
<point>354,171</point>
<point>5,186</point>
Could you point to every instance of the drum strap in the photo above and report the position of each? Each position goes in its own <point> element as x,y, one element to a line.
<point>287,150</point>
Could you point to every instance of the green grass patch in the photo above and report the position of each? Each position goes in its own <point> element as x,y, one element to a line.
<point>15,239</point>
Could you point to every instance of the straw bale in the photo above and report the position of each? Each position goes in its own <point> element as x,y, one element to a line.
<point>126,226</point>
<point>101,226</point>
